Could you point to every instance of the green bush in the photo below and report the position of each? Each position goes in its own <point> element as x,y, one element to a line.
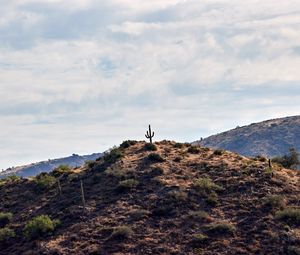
<point>60,170</point>
<point>44,181</point>
<point>178,145</point>
<point>193,150</point>
<point>113,156</point>
<point>274,202</point>
<point>5,218</point>
<point>121,232</point>
<point>150,147</point>
<point>200,216</point>
<point>289,215</point>
<point>6,234</point>
<point>128,184</point>
<point>218,152</point>
<point>223,228</point>
<point>199,240</point>
<point>290,160</point>
<point>40,226</point>
<point>205,186</point>
<point>154,157</point>
<point>127,144</point>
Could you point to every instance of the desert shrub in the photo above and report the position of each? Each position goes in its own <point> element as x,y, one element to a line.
<point>113,156</point>
<point>289,215</point>
<point>163,210</point>
<point>5,218</point>
<point>10,178</point>
<point>269,172</point>
<point>150,147</point>
<point>118,173</point>
<point>40,226</point>
<point>178,159</point>
<point>121,232</point>
<point>223,228</point>
<point>128,184</point>
<point>293,250</point>
<point>218,152</point>
<point>205,186</point>
<point>44,181</point>
<point>6,234</point>
<point>154,157</point>
<point>260,158</point>
<point>177,196</point>
<point>212,199</point>
<point>198,240</point>
<point>193,149</point>
<point>139,214</point>
<point>289,160</point>
<point>156,171</point>
<point>127,144</point>
<point>274,202</point>
<point>178,145</point>
<point>200,216</point>
<point>60,170</point>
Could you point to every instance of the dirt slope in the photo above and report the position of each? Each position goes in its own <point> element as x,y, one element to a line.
<point>190,201</point>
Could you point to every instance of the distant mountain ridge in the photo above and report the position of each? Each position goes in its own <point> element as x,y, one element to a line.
<point>268,138</point>
<point>47,166</point>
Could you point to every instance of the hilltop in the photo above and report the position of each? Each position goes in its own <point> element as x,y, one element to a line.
<point>268,138</point>
<point>166,198</point>
<point>48,165</point>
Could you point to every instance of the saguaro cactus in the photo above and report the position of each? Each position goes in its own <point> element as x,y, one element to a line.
<point>149,134</point>
<point>270,163</point>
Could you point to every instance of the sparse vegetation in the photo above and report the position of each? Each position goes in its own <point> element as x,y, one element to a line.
<point>178,145</point>
<point>199,240</point>
<point>218,152</point>
<point>127,144</point>
<point>44,181</point>
<point>290,160</point>
<point>193,149</point>
<point>200,216</point>
<point>6,234</point>
<point>5,218</point>
<point>274,202</point>
<point>128,184</point>
<point>205,186</point>
<point>113,156</point>
<point>154,157</point>
<point>290,216</point>
<point>150,147</point>
<point>223,228</point>
<point>121,233</point>
<point>60,170</point>
<point>40,226</point>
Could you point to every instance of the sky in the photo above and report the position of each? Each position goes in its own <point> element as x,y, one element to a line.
<point>80,76</point>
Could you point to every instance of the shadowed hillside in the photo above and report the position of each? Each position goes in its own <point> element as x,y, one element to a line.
<point>167,198</point>
<point>268,138</point>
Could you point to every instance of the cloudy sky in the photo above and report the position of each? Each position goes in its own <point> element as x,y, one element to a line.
<point>79,76</point>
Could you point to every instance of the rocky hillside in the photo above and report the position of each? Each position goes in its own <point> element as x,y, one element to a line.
<point>167,198</point>
<point>268,138</point>
<point>47,166</point>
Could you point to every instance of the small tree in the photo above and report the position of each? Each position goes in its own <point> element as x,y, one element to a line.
<point>290,160</point>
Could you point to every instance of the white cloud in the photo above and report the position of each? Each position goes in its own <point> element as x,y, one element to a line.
<point>92,73</point>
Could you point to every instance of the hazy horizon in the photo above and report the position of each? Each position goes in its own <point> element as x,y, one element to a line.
<point>82,77</point>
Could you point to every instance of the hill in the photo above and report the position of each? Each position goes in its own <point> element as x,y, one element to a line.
<point>169,198</point>
<point>47,166</point>
<point>268,138</point>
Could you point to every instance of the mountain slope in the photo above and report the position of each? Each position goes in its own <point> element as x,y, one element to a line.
<point>178,199</point>
<point>268,138</point>
<point>47,166</point>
